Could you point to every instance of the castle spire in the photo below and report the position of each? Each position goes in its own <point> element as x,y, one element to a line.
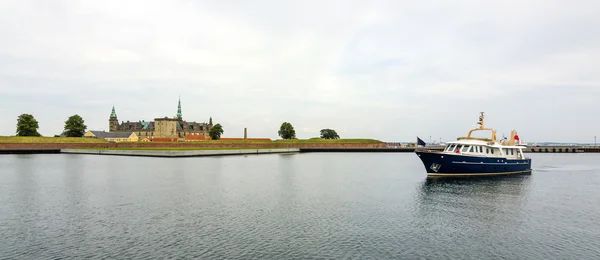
<point>113,113</point>
<point>179,108</point>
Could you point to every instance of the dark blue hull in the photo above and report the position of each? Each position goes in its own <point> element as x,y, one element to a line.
<point>439,164</point>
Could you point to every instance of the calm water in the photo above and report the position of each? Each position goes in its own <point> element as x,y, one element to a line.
<point>302,206</point>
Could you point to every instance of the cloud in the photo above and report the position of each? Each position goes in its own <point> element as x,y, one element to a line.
<point>384,69</point>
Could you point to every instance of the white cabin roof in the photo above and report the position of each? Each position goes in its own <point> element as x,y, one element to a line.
<point>484,143</point>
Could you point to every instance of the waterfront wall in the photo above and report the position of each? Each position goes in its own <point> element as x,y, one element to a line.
<point>178,153</point>
<point>304,147</point>
<point>6,146</point>
<point>564,149</point>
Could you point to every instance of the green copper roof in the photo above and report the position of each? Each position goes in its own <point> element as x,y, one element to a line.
<point>179,108</point>
<point>113,114</point>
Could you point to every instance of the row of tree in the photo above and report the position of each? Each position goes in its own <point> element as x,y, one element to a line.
<point>75,126</point>
<point>27,125</point>
<point>286,131</point>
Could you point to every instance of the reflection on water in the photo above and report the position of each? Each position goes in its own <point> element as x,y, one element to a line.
<point>334,206</point>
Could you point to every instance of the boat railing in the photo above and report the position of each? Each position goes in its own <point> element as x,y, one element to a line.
<point>474,138</point>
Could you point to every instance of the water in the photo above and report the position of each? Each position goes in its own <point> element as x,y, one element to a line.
<point>302,206</point>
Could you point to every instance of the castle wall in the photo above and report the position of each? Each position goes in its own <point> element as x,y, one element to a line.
<point>165,127</point>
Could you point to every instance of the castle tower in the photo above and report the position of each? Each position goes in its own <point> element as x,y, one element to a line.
<point>113,122</point>
<point>179,116</point>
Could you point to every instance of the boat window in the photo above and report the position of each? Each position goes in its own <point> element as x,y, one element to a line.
<point>512,151</point>
<point>451,147</point>
<point>487,150</point>
<point>466,148</point>
<point>520,154</point>
<point>492,150</point>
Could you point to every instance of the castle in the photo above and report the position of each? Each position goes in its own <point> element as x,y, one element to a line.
<point>161,127</point>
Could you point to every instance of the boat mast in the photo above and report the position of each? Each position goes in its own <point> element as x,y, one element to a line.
<point>481,124</point>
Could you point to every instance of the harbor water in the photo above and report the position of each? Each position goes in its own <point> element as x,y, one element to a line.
<point>293,206</point>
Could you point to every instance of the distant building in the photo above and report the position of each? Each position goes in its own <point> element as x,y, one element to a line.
<point>113,136</point>
<point>196,137</point>
<point>161,127</point>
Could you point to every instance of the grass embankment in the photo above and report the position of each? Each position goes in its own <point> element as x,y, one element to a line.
<point>239,142</point>
<point>170,148</point>
<point>33,140</point>
<point>328,141</point>
<point>42,139</point>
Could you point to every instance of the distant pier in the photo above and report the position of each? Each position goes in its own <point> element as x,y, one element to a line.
<point>563,149</point>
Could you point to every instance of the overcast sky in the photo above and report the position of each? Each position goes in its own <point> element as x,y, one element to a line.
<point>390,70</point>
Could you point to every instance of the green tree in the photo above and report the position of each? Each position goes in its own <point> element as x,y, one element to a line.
<point>286,131</point>
<point>215,132</point>
<point>27,126</point>
<point>74,126</point>
<point>329,134</point>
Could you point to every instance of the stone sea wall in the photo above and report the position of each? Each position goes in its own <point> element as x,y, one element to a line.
<point>184,145</point>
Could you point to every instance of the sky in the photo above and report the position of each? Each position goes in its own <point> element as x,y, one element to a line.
<point>389,70</point>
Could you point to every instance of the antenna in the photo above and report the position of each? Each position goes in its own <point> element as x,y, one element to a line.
<point>481,119</point>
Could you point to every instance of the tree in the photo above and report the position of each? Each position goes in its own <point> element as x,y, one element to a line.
<point>27,126</point>
<point>215,132</point>
<point>286,131</point>
<point>329,134</point>
<point>74,126</point>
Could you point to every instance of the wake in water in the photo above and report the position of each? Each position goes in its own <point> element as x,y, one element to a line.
<point>567,168</point>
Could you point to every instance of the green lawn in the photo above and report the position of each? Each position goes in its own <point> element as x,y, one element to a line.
<point>170,148</point>
<point>32,139</point>
<point>329,141</point>
<point>293,141</point>
<point>28,139</point>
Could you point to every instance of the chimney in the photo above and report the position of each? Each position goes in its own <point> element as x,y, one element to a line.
<point>245,133</point>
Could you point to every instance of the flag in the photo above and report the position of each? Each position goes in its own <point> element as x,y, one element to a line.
<point>517,139</point>
<point>420,142</point>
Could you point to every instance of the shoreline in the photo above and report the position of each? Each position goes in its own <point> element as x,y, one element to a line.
<point>247,149</point>
<point>178,153</point>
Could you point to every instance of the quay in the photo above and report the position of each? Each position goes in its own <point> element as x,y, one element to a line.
<point>178,153</point>
<point>30,151</point>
